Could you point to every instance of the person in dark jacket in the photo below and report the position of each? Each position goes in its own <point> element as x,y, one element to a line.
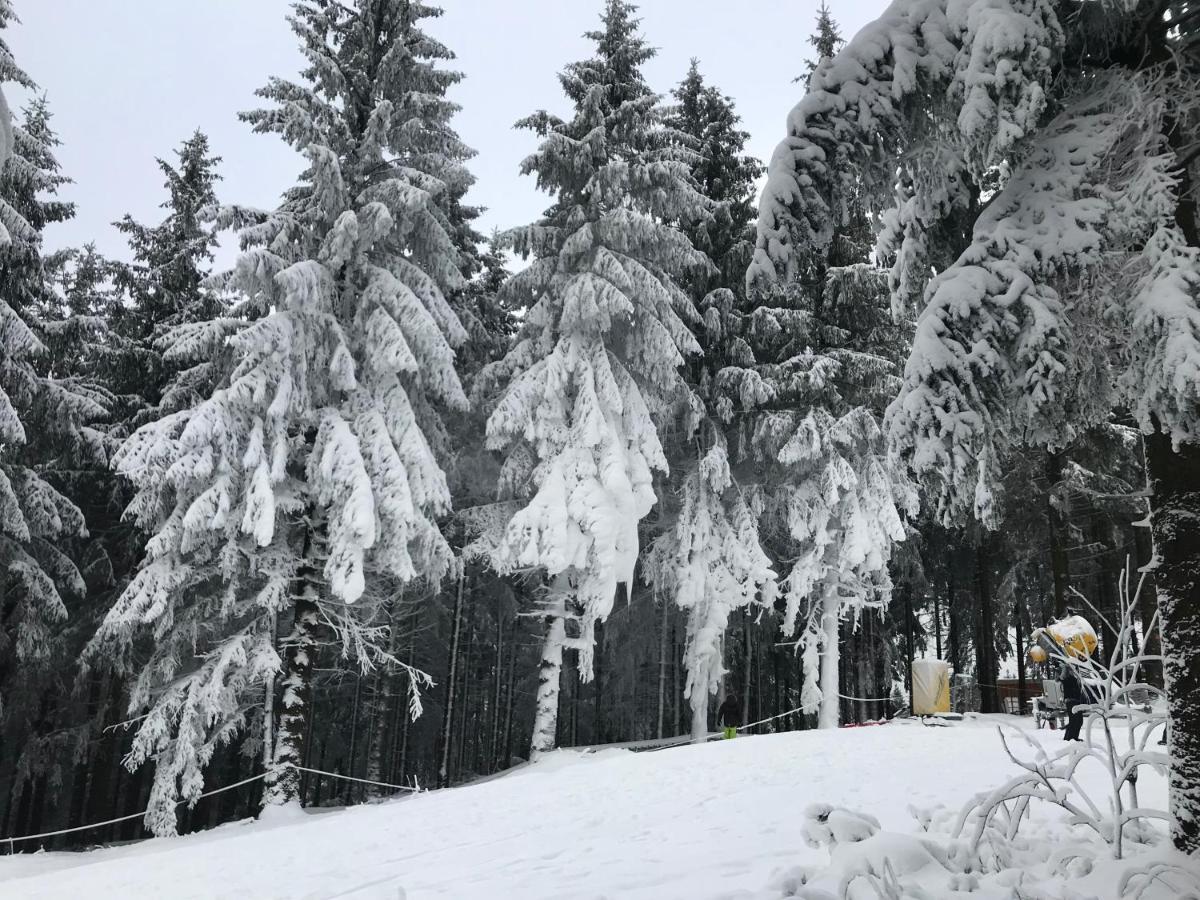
<point>1073,694</point>
<point>729,716</point>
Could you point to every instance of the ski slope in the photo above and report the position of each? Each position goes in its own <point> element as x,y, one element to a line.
<point>713,821</point>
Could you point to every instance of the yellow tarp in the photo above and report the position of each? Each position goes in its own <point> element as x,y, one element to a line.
<point>931,687</point>
<point>1073,634</point>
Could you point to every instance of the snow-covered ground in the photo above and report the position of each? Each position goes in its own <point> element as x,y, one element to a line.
<point>714,821</point>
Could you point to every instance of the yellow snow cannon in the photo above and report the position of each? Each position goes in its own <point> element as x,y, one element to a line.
<point>1071,637</point>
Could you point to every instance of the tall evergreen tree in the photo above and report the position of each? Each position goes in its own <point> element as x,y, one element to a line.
<point>710,561</point>
<point>1082,266</point>
<point>306,483</point>
<point>165,283</point>
<point>43,414</point>
<point>725,174</point>
<point>596,366</point>
<point>827,356</point>
<point>46,437</point>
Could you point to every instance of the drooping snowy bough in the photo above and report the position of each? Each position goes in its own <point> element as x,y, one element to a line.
<point>710,563</point>
<point>307,483</point>
<point>1035,164</point>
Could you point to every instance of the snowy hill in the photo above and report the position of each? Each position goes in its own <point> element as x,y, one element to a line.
<point>712,821</point>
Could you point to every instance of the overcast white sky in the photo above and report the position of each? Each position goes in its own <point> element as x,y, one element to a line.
<point>128,80</point>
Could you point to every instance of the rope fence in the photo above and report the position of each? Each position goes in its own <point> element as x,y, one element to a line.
<point>397,787</point>
<point>866,699</point>
<point>792,712</point>
<point>12,841</point>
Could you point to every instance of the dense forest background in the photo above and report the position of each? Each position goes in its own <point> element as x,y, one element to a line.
<point>397,500</point>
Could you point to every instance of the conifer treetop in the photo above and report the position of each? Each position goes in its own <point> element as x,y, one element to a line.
<point>596,363</point>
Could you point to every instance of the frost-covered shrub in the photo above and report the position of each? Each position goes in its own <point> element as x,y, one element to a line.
<point>1118,734</point>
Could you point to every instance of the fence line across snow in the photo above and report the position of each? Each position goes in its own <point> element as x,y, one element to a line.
<point>12,841</point>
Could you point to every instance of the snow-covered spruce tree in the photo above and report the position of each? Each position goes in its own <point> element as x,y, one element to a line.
<point>1083,265</point>
<point>818,364</point>
<point>306,481</point>
<point>833,503</point>
<point>43,415</point>
<point>597,360</point>
<point>725,174</point>
<point>102,326</point>
<point>709,561</point>
<point>165,285</point>
<point>46,439</point>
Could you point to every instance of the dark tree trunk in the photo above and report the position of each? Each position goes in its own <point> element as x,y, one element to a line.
<point>282,784</point>
<point>382,715</point>
<point>465,697</point>
<point>748,655</point>
<point>348,787</point>
<point>908,638</point>
<point>1058,529</point>
<point>510,700</point>
<point>1175,484</point>
<point>83,783</point>
<point>986,668</point>
<point>447,732</point>
<point>103,798</point>
<point>1107,589</point>
<point>1019,615</point>
<point>955,616</point>
<point>1174,476</point>
<point>937,625</point>
<point>598,728</point>
<point>1147,604</point>
<point>497,686</point>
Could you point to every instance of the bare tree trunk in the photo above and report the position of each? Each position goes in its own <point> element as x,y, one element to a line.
<point>676,688</point>
<point>776,684</point>
<point>1019,620</point>
<point>81,783</point>
<point>908,637</point>
<point>830,710</point>
<point>545,721</point>
<point>1058,529</point>
<point>498,679</point>
<point>986,669</point>
<point>954,614</point>
<point>662,667</point>
<point>382,713</point>
<point>1147,601</point>
<point>748,656</point>
<point>1106,587</point>
<point>937,625</point>
<point>510,703</point>
<point>352,752</point>
<point>282,784</point>
<point>465,718</point>
<point>598,727</point>
<point>451,682</point>
<point>1175,483</point>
